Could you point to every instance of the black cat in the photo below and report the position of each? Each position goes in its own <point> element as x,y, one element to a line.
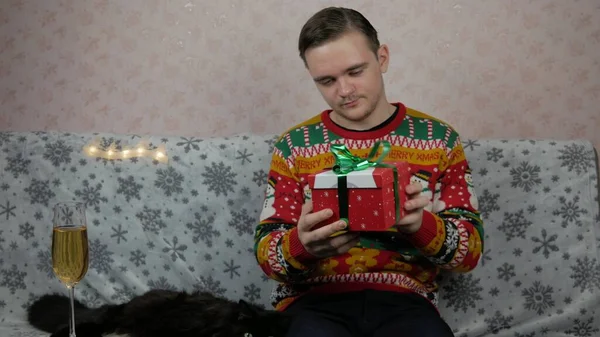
<point>159,313</point>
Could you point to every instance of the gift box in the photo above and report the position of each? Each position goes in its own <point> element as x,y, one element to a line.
<point>369,196</point>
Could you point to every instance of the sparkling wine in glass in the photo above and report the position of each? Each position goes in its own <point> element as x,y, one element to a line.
<point>70,254</point>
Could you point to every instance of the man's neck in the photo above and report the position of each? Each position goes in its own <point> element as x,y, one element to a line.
<point>378,116</point>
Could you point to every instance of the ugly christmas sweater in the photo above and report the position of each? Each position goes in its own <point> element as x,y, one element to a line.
<point>451,235</point>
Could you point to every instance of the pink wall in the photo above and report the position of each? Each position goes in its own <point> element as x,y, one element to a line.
<point>496,68</point>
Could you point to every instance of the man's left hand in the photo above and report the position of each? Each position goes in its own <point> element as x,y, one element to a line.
<point>414,206</point>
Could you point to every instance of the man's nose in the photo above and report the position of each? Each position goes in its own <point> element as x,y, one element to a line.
<point>345,87</point>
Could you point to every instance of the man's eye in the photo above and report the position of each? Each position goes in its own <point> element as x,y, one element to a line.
<point>355,72</point>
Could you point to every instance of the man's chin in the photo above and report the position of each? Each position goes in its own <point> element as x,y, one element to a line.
<point>353,115</point>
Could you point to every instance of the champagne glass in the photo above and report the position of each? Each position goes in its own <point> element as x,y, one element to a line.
<point>70,255</point>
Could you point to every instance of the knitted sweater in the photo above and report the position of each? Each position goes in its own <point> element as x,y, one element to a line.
<point>450,238</point>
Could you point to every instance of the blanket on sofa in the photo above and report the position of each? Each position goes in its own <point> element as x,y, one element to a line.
<point>188,224</point>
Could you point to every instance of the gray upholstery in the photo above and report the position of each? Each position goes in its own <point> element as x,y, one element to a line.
<point>188,224</point>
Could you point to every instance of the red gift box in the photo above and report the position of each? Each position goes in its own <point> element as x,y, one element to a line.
<point>371,203</point>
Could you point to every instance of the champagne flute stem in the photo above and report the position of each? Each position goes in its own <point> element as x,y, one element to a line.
<point>72,314</point>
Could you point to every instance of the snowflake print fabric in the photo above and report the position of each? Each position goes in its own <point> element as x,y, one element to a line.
<point>190,224</point>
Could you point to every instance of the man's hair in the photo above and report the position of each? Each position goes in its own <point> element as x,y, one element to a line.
<point>332,22</point>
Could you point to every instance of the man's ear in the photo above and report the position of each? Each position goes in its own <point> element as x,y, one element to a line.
<point>246,310</point>
<point>383,57</point>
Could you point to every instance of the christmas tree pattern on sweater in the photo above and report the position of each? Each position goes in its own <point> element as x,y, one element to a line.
<point>451,236</point>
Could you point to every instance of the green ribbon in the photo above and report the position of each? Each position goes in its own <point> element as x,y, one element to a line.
<point>346,162</point>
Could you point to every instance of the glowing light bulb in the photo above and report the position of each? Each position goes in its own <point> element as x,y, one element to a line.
<point>92,149</point>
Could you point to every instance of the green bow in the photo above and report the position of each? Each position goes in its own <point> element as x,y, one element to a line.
<point>346,162</point>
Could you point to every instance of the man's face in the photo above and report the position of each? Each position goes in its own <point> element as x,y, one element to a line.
<point>349,75</point>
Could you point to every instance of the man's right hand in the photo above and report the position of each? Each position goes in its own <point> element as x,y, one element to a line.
<point>318,241</point>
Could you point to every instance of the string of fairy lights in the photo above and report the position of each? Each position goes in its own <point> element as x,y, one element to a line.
<point>113,152</point>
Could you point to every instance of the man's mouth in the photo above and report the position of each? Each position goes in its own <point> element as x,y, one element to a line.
<point>351,103</point>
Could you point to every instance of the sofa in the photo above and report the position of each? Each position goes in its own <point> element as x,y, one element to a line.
<point>186,221</point>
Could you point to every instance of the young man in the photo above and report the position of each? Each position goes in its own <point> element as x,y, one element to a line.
<point>364,284</point>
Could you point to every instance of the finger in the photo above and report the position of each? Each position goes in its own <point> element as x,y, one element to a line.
<point>409,219</point>
<point>347,246</point>
<point>323,233</point>
<point>416,203</point>
<point>306,208</point>
<point>311,219</point>
<point>337,245</point>
<point>308,219</point>
<point>413,188</point>
<point>342,240</point>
